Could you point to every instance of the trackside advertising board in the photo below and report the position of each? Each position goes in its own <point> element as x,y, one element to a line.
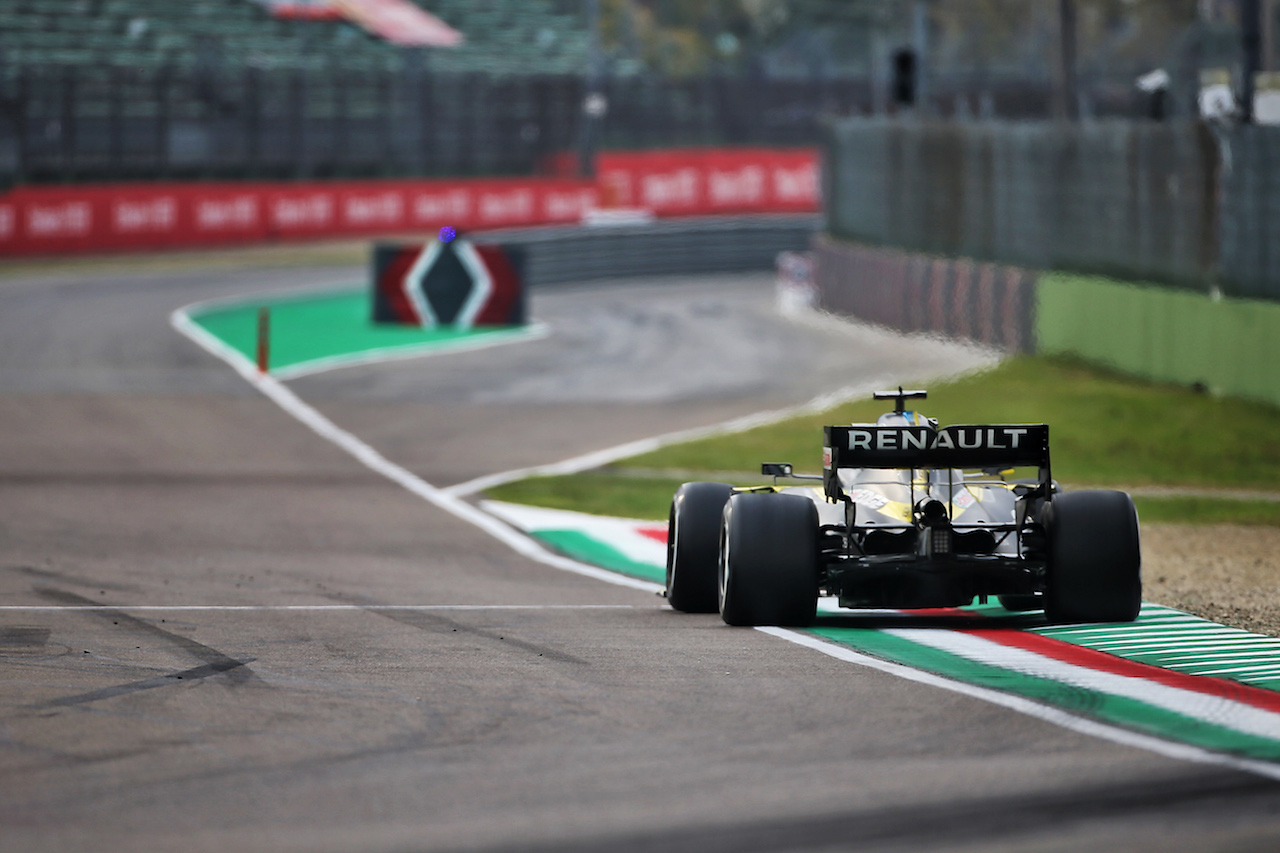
<point>129,217</point>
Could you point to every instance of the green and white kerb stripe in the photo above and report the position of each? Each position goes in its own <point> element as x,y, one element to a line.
<point>1169,676</point>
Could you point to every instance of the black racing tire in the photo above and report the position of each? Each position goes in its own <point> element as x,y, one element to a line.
<point>1020,602</point>
<point>693,546</point>
<point>768,571</point>
<point>1094,571</point>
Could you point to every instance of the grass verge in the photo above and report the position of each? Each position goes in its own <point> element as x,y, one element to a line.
<point>598,492</point>
<point>1107,430</point>
<point>1207,510</point>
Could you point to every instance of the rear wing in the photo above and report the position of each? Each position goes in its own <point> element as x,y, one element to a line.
<point>957,446</point>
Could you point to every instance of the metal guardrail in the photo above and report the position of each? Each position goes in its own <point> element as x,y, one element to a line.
<point>666,247</point>
<point>67,124</point>
<point>1132,199</point>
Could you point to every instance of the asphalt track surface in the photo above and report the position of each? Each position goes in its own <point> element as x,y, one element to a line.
<point>504,705</point>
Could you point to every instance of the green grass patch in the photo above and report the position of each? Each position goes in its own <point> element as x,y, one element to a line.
<point>1106,430</point>
<point>1185,509</point>
<point>595,492</point>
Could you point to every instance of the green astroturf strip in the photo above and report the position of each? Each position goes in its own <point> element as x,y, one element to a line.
<point>320,326</point>
<point>1187,644</point>
<point>582,547</point>
<point>1095,704</point>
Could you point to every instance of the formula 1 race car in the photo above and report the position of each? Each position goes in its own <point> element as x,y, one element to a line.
<point>909,516</point>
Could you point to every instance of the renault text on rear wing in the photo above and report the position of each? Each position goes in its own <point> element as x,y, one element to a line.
<point>959,446</point>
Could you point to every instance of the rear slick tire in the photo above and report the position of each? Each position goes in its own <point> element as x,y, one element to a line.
<point>1094,569</point>
<point>768,571</point>
<point>693,546</point>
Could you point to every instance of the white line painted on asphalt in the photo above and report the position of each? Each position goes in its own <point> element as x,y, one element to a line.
<point>1081,725</point>
<point>532,332</point>
<point>310,608</point>
<point>820,403</point>
<point>375,461</point>
<point>448,501</point>
<point>645,445</point>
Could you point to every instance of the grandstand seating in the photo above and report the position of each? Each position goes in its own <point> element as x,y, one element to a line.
<point>503,37</point>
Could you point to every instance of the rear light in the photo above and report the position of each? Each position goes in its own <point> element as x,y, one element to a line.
<point>940,540</point>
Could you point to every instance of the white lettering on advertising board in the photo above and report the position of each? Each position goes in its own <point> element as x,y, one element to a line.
<point>156,214</point>
<point>510,206</point>
<point>670,189</point>
<point>230,214</point>
<point>312,211</point>
<point>743,186</point>
<point>67,219</point>
<point>381,209</point>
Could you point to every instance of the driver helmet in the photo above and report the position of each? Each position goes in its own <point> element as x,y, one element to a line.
<point>901,419</point>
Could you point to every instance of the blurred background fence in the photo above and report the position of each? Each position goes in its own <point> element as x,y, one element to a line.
<point>1172,203</point>
<point>1249,230</point>
<point>108,90</point>
<point>71,123</point>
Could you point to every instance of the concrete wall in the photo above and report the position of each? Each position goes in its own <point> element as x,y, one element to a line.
<point>990,303</point>
<point>1231,346</point>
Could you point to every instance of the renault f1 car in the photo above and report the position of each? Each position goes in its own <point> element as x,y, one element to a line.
<point>909,516</point>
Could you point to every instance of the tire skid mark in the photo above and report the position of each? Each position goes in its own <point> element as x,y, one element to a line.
<point>214,661</point>
<point>1106,713</point>
<point>526,545</point>
<point>63,577</point>
<point>193,674</point>
<point>435,623</point>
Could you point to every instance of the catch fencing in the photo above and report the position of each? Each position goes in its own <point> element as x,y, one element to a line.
<point>1249,230</point>
<point>1119,197</point>
<point>75,124</point>
<point>1170,203</point>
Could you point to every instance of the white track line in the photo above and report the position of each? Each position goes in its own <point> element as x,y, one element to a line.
<point>634,448</point>
<point>820,403</point>
<point>531,332</point>
<point>526,546</point>
<point>172,608</point>
<point>1049,714</point>
<point>370,458</point>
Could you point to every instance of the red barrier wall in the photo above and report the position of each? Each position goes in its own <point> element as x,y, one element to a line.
<point>58,220</point>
